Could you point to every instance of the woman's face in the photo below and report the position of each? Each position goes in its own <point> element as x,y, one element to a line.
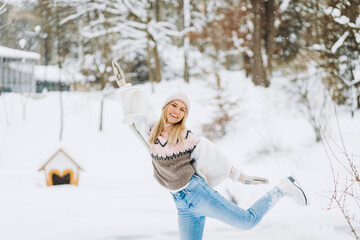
<point>175,112</point>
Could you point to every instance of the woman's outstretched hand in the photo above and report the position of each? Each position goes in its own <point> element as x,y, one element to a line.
<point>252,179</point>
<point>238,176</point>
<point>120,76</point>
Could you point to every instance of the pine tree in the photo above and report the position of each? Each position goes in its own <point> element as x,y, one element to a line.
<point>339,48</point>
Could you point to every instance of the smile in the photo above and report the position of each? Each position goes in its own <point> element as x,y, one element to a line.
<point>173,115</point>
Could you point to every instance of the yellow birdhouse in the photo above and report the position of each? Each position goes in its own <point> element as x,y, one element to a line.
<point>61,169</point>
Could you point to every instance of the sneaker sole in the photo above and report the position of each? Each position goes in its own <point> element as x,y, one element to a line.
<point>296,185</point>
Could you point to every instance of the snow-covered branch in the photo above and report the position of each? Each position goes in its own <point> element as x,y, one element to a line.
<point>138,8</point>
<point>126,30</point>
<point>72,17</point>
<point>339,42</point>
<point>238,42</point>
<point>128,47</point>
<point>161,30</point>
<point>341,19</point>
<point>3,7</point>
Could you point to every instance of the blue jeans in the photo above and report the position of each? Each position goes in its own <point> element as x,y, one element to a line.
<point>198,201</point>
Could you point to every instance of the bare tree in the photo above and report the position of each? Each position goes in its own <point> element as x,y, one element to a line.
<point>307,90</point>
<point>346,179</point>
<point>225,111</point>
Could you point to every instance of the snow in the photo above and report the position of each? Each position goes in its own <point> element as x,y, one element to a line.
<point>18,54</point>
<point>52,73</point>
<point>357,37</point>
<point>118,198</point>
<point>284,5</point>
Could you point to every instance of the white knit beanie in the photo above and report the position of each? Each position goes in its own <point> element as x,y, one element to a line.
<point>177,96</point>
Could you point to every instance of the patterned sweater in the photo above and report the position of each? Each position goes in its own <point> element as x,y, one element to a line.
<point>171,162</point>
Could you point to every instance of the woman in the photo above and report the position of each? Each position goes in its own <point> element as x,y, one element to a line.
<point>188,166</point>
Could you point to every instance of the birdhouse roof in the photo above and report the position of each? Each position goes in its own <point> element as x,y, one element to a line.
<point>53,156</point>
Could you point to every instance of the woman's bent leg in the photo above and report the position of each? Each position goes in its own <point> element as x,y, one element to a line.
<point>209,202</point>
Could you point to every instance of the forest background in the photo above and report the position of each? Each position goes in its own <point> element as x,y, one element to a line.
<point>258,36</point>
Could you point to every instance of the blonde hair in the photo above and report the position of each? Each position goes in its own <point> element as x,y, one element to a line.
<point>176,130</point>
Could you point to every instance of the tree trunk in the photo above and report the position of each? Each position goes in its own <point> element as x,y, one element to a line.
<point>157,64</point>
<point>61,106</point>
<point>148,61</point>
<point>186,39</point>
<point>47,52</point>
<point>258,70</point>
<point>270,32</point>
<point>102,81</point>
<point>158,12</point>
<point>247,64</point>
<point>186,68</point>
<point>60,56</point>
<point>106,53</point>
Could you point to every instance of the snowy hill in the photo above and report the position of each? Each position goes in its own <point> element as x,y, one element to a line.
<point>117,197</point>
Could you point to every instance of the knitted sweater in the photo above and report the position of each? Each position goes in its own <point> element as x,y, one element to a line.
<point>171,162</point>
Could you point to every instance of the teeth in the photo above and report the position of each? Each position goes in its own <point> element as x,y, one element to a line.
<point>173,115</point>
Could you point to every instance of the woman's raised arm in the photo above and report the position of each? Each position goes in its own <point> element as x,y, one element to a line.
<point>137,109</point>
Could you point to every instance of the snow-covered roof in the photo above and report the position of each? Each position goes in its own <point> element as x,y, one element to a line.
<point>52,73</point>
<point>60,151</point>
<point>18,54</point>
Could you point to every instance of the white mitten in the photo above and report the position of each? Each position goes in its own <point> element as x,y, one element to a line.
<point>118,72</point>
<point>239,176</point>
<point>252,179</point>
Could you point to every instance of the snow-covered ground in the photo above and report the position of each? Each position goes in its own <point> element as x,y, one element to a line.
<point>117,198</point>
